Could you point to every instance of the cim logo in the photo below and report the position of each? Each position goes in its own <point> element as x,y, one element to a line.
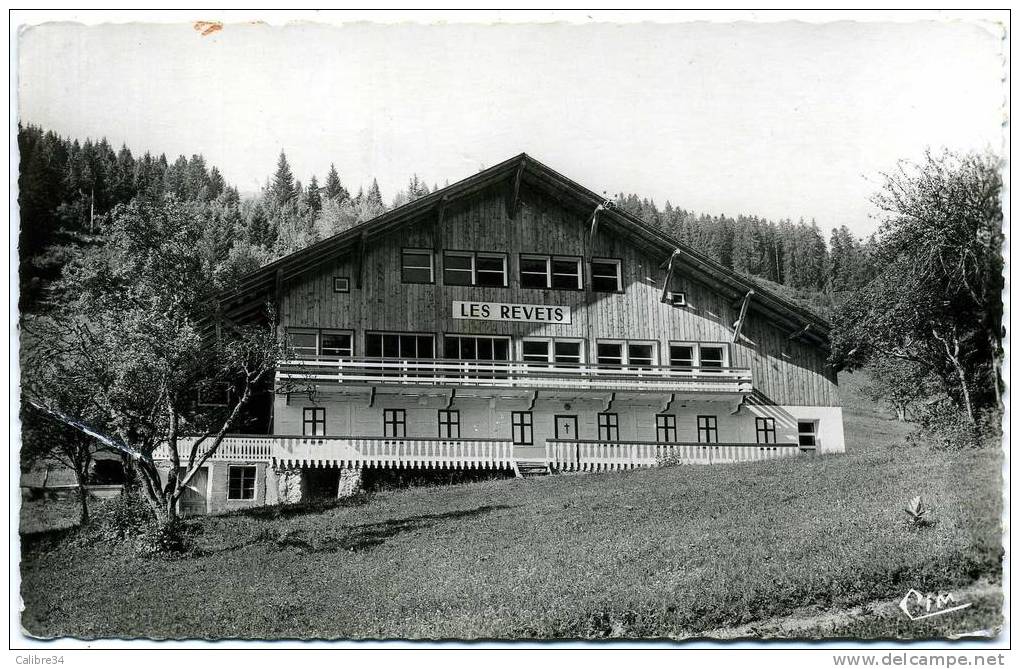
<point>918,607</point>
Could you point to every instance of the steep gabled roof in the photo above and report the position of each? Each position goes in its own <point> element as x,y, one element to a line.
<point>256,288</point>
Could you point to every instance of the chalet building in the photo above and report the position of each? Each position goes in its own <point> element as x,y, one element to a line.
<point>516,320</point>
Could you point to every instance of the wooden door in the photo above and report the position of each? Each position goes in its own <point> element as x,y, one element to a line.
<point>193,502</point>
<point>566,427</point>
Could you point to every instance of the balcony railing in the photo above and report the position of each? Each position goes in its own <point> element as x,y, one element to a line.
<point>515,374</point>
<point>581,455</point>
<point>306,451</point>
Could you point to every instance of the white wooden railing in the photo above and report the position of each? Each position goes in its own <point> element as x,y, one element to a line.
<point>393,453</point>
<point>304,451</point>
<point>243,447</point>
<point>515,374</point>
<point>580,455</point>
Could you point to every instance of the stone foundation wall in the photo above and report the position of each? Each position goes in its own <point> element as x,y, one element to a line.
<point>350,482</point>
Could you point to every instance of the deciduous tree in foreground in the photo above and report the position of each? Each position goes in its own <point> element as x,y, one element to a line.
<point>937,301</point>
<point>139,325</point>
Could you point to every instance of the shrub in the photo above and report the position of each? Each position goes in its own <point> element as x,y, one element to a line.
<point>162,539</point>
<point>123,517</point>
<point>943,427</point>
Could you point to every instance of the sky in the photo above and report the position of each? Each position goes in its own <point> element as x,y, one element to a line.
<point>779,120</point>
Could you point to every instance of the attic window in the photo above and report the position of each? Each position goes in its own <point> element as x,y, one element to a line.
<point>341,284</point>
<point>606,276</point>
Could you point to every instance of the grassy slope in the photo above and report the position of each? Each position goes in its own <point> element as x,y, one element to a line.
<point>666,552</point>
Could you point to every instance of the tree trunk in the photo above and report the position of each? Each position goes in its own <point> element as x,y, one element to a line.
<point>83,499</point>
<point>901,413</point>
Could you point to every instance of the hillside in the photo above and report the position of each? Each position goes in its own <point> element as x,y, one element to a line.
<point>656,553</point>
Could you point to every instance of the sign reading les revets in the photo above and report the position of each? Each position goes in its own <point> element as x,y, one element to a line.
<point>498,311</point>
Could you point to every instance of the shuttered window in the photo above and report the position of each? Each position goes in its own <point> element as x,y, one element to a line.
<point>665,428</point>
<point>708,431</point>
<point>521,428</point>
<point>609,427</point>
<point>313,421</point>
<point>765,429</point>
<point>395,423</point>
<point>449,424</point>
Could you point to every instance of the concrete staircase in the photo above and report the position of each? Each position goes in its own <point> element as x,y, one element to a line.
<point>526,469</point>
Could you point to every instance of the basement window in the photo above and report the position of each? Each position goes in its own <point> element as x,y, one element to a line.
<point>609,427</point>
<point>313,421</point>
<point>395,423</point>
<point>522,428</point>
<point>765,429</point>
<point>416,266</point>
<point>807,433</point>
<point>606,276</point>
<point>708,430</point>
<point>449,424</point>
<point>241,482</point>
<point>665,428</point>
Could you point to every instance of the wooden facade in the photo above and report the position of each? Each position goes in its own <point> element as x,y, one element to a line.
<point>768,394</point>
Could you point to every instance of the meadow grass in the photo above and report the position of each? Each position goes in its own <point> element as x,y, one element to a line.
<point>662,553</point>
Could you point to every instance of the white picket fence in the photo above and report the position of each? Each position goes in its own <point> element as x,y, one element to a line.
<point>570,455</point>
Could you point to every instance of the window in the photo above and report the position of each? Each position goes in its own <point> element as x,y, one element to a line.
<point>241,482</point>
<point>560,272</point>
<point>303,342</point>
<point>641,356</point>
<point>566,273</point>
<point>609,427</point>
<point>807,433</point>
<point>520,423</point>
<point>399,346</point>
<point>464,268</point>
<point>337,344</point>
<point>606,276</point>
<point>457,347</point>
<point>534,271</point>
<point>609,353</point>
<point>634,355</point>
<point>341,284</point>
<point>313,423</point>
<point>449,424</point>
<point>681,355</point>
<point>395,423</point>
<point>416,266</point>
<point>713,358</point>
<point>562,351</point>
<point>765,428</point>
<point>704,357</point>
<point>665,428</point>
<point>708,432</point>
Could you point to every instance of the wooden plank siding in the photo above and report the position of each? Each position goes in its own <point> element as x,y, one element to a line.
<point>786,372</point>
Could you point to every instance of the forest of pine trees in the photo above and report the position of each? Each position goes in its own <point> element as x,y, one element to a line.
<point>68,189</point>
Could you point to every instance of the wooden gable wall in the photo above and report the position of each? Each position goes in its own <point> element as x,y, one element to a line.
<point>785,371</point>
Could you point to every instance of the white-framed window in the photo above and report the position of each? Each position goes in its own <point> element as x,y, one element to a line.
<point>606,275</point>
<point>542,271</point>
<point>341,284</point>
<point>707,357</point>
<point>470,268</point>
<point>311,342</point>
<point>241,481</point>
<point>807,433</point>
<point>627,353</point>
<point>416,266</point>
<point>545,349</point>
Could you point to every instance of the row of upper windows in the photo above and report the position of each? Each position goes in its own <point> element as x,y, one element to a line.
<point>634,353</point>
<point>472,268</point>
<point>522,427</point>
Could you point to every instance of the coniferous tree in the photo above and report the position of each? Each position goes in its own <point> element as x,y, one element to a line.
<point>334,188</point>
<point>282,186</point>
<point>312,198</point>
